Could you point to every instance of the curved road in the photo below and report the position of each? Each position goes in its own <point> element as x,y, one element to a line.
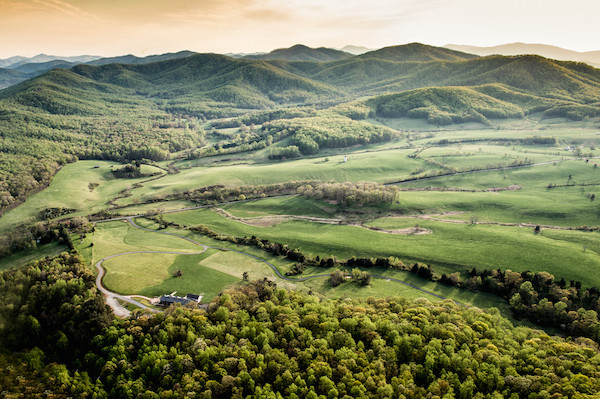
<point>113,297</point>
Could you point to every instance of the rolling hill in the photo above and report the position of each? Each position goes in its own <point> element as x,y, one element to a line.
<point>553,52</point>
<point>15,62</point>
<point>300,52</point>
<point>9,77</point>
<point>111,111</point>
<point>416,52</point>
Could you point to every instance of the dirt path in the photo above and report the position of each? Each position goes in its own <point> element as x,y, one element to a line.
<point>272,220</point>
<point>457,221</point>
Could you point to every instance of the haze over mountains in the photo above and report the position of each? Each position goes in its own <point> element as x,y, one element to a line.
<point>245,83</point>
<point>554,52</point>
<point>16,69</point>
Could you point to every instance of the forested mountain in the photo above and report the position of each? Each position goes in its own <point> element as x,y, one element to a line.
<point>9,77</point>
<point>300,52</point>
<point>37,68</point>
<point>132,59</point>
<point>15,62</point>
<point>352,49</point>
<point>554,52</point>
<point>416,52</point>
<point>108,111</point>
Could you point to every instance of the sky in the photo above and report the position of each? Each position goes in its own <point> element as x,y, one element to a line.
<point>144,27</point>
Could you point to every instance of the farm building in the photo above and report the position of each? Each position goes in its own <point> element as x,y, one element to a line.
<point>167,300</point>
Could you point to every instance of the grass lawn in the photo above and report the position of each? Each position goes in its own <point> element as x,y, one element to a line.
<point>22,258</point>
<point>129,274</point>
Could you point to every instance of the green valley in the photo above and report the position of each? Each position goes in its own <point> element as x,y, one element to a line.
<point>397,212</point>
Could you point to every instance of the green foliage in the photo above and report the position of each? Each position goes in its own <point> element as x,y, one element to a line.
<point>329,130</point>
<point>51,304</point>
<point>352,194</point>
<point>259,340</point>
<point>288,152</point>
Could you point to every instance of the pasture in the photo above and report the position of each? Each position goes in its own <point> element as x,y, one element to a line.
<point>450,247</point>
<point>85,186</point>
<point>475,218</point>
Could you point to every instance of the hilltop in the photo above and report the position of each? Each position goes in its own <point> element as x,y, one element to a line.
<point>553,52</point>
<point>300,52</point>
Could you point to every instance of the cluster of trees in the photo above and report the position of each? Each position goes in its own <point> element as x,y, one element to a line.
<point>357,276</point>
<point>260,117</point>
<point>289,152</point>
<point>539,298</point>
<point>219,193</point>
<point>247,139</point>
<point>262,341</point>
<point>53,213</point>
<point>30,236</point>
<point>52,305</point>
<point>349,194</point>
<point>132,170</point>
<point>329,130</point>
<point>574,111</point>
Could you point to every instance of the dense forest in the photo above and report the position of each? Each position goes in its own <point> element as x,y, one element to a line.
<point>258,340</point>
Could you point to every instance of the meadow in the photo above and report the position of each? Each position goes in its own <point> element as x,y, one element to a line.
<point>85,186</point>
<point>475,217</point>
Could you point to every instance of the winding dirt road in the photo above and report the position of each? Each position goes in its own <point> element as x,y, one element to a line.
<point>113,298</point>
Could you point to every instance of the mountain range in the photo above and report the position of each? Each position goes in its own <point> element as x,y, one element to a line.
<point>547,51</point>
<point>145,109</point>
<point>246,83</point>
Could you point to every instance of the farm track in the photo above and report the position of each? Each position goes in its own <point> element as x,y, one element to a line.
<point>272,220</point>
<point>112,298</point>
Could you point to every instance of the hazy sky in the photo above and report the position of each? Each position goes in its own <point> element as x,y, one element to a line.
<point>143,27</point>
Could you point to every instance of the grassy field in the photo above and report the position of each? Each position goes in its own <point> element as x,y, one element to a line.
<point>154,207</point>
<point>116,237</point>
<point>378,166</point>
<point>464,221</point>
<point>21,258</point>
<point>450,247</point>
<point>295,205</point>
<point>80,185</point>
